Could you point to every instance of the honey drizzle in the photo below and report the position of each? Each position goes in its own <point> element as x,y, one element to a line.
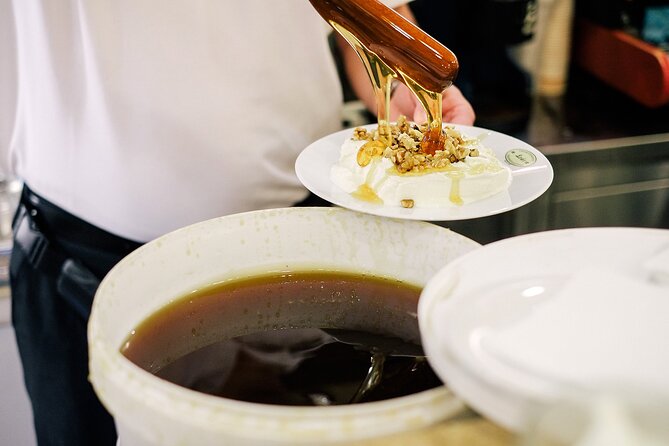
<point>454,195</point>
<point>380,75</point>
<point>403,52</point>
<point>366,193</point>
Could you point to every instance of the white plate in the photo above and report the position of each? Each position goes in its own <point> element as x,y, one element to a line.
<point>531,172</point>
<point>496,328</point>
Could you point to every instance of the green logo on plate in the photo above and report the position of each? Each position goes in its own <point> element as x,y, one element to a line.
<point>520,157</point>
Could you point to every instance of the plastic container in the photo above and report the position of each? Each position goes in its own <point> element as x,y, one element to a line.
<point>150,411</point>
<point>573,315</point>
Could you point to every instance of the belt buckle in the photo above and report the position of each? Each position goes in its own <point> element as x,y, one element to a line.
<point>28,237</point>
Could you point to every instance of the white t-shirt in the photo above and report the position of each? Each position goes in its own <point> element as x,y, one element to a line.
<point>142,116</point>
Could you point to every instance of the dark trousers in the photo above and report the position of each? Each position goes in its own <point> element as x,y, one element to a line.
<point>56,264</point>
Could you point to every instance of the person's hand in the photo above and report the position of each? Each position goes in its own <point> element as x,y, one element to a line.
<point>455,108</point>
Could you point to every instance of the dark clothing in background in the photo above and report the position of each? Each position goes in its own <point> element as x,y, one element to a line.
<point>480,33</point>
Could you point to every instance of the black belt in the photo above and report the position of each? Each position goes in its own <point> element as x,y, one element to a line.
<point>53,220</point>
<point>34,218</point>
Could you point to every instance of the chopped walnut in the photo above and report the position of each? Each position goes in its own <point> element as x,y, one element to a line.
<point>408,203</point>
<point>404,151</point>
<point>416,134</point>
<point>360,134</point>
<point>407,142</point>
<point>402,124</point>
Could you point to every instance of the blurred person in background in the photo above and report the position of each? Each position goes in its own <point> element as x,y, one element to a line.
<point>499,89</point>
<point>128,119</point>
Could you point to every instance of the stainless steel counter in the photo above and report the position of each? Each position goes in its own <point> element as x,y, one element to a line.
<point>620,182</point>
<point>611,161</point>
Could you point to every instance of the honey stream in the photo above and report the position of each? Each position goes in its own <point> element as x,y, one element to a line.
<point>391,47</point>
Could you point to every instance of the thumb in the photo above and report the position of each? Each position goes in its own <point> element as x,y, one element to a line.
<point>419,115</point>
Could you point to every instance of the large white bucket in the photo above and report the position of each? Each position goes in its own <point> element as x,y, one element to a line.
<point>151,411</point>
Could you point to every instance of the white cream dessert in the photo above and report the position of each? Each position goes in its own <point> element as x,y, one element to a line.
<point>401,174</point>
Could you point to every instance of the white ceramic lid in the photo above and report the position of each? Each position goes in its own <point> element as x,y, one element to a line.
<point>524,322</point>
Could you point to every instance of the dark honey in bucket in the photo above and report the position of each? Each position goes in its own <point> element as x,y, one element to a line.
<point>304,338</point>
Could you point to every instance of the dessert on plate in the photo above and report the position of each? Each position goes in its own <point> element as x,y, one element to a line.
<point>392,169</point>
